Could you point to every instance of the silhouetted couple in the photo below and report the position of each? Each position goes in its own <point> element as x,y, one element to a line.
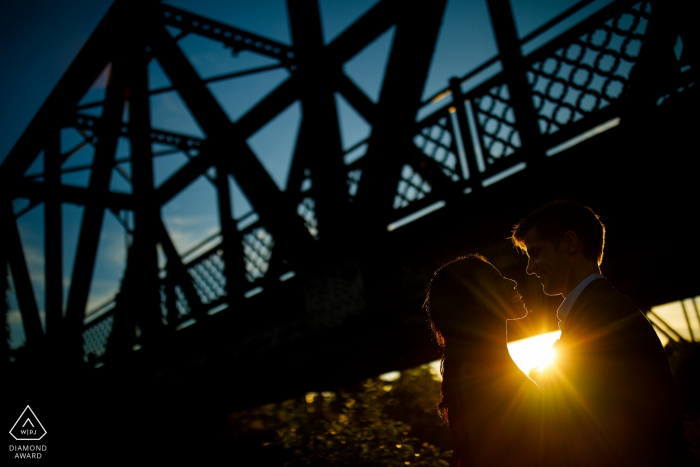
<point>607,399</point>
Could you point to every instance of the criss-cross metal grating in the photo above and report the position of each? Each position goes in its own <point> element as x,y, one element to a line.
<point>182,305</point>
<point>257,248</point>
<point>208,277</point>
<point>437,142</point>
<point>590,72</point>
<point>307,210</point>
<point>411,187</point>
<point>95,337</point>
<point>496,123</point>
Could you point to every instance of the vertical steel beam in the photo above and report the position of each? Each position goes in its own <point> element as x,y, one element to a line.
<point>228,232</point>
<point>514,69</point>
<point>146,211</point>
<point>20,276</point>
<point>53,244</point>
<point>234,260</point>
<point>93,214</point>
<point>464,133</point>
<point>299,159</point>
<point>315,81</point>
<point>657,69</point>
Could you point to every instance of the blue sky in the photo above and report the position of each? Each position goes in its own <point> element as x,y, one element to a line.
<point>40,38</point>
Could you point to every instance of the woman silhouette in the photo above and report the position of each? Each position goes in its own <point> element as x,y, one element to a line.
<point>492,408</point>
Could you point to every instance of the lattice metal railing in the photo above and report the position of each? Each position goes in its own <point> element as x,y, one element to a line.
<point>182,305</point>
<point>307,210</point>
<point>437,142</point>
<point>257,251</point>
<point>575,78</point>
<point>590,72</point>
<point>208,280</point>
<point>496,123</point>
<point>208,276</point>
<point>411,187</point>
<point>95,336</point>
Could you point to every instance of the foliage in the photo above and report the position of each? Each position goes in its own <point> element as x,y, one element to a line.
<point>364,425</point>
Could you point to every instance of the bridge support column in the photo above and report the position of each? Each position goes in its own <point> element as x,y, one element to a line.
<point>515,74</point>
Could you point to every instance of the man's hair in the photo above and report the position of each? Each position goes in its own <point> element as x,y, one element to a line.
<point>553,220</point>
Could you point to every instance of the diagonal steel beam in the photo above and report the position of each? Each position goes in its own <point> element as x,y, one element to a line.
<point>91,60</point>
<point>226,147</point>
<point>20,275</point>
<point>246,126</point>
<point>399,100</point>
<point>53,245</point>
<point>357,99</point>
<point>279,99</point>
<point>187,174</point>
<point>318,103</point>
<point>344,47</point>
<point>93,215</point>
<point>365,30</point>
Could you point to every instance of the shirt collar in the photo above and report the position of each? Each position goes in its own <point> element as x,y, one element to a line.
<point>568,303</point>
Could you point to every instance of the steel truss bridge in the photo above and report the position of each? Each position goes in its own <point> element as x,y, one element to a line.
<point>323,284</point>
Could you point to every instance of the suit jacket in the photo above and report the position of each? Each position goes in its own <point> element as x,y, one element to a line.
<point>609,395</point>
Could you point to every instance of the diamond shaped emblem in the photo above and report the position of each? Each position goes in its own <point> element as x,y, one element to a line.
<point>27,427</point>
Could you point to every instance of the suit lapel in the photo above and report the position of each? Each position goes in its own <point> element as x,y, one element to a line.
<point>576,315</point>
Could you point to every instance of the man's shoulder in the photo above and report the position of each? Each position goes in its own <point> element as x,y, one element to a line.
<point>601,299</point>
<point>603,316</point>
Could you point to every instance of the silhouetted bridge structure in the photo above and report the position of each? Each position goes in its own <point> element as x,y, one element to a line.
<point>322,285</point>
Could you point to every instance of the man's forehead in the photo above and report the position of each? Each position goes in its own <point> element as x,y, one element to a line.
<point>533,238</point>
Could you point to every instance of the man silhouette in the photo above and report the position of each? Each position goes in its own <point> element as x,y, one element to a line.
<point>609,395</point>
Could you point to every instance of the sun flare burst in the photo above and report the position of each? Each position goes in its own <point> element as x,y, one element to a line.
<point>534,352</point>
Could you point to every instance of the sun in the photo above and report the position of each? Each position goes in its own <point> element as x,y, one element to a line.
<point>534,352</point>
<point>546,358</point>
